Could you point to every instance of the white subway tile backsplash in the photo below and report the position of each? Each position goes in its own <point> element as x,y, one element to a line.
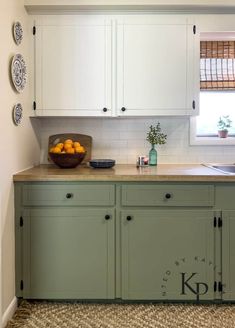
<point>123,139</point>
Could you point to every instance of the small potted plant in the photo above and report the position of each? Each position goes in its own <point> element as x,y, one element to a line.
<point>155,137</point>
<point>223,125</point>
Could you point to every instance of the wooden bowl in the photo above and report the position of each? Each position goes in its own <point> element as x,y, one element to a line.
<point>67,161</point>
<point>85,141</point>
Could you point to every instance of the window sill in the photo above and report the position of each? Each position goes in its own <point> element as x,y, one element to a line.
<point>207,141</point>
<point>213,141</point>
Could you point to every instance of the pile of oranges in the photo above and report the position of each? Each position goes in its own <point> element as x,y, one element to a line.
<point>67,147</point>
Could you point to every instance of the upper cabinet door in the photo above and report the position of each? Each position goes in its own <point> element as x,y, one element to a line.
<point>73,66</point>
<point>156,69</point>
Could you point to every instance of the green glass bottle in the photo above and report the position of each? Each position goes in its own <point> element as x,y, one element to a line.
<point>153,156</point>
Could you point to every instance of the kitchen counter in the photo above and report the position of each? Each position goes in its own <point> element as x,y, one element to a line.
<point>125,172</point>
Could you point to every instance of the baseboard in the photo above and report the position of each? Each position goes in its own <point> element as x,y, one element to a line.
<point>8,314</point>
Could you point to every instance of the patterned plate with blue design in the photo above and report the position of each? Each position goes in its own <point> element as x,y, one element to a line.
<point>18,72</point>
<point>17,114</point>
<point>17,32</point>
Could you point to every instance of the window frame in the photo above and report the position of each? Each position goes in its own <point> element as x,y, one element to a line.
<point>207,140</point>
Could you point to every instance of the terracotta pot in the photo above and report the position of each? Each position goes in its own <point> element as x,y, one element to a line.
<point>223,133</point>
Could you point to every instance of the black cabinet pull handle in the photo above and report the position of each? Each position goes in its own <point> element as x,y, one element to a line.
<point>128,218</point>
<point>123,109</point>
<point>220,286</point>
<point>105,109</point>
<point>69,195</point>
<point>107,217</point>
<point>167,196</point>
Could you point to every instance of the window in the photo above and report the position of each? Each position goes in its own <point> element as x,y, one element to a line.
<point>217,87</point>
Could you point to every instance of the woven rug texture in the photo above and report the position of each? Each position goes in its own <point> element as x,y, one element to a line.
<point>86,315</point>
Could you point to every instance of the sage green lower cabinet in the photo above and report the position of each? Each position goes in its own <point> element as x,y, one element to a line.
<point>225,202</point>
<point>68,253</point>
<point>65,240</point>
<point>125,240</point>
<point>228,255</point>
<point>167,254</point>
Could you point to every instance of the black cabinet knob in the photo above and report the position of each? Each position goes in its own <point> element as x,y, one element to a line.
<point>69,195</point>
<point>123,109</point>
<point>167,196</point>
<point>107,217</point>
<point>128,218</point>
<point>105,109</point>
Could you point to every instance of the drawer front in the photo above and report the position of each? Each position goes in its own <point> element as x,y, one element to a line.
<point>167,195</point>
<point>68,195</point>
<point>224,196</point>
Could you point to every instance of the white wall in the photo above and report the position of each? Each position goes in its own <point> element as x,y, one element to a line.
<point>123,139</point>
<point>19,148</point>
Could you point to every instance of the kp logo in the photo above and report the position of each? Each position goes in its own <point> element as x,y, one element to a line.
<point>197,288</point>
<point>185,273</point>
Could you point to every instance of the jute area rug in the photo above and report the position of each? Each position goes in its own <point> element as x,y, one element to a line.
<point>86,315</point>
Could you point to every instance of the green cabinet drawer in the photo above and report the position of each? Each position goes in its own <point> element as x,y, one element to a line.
<point>167,195</point>
<point>68,194</point>
<point>224,196</point>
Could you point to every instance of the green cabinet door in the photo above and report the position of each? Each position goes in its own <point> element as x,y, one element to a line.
<point>167,254</point>
<point>228,255</point>
<point>68,253</point>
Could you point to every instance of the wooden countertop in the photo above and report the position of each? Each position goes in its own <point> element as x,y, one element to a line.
<point>125,172</point>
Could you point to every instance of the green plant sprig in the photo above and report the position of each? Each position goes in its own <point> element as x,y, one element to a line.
<point>155,136</point>
<point>224,123</point>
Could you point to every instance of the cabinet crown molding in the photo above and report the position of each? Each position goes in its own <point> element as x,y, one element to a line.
<point>74,6</point>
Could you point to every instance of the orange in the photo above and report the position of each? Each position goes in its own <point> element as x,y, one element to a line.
<point>80,149</point>
<point>67,146</point>
<point>76,144</point>
<point>51,150</point>
<point>57,150</point>
<point>60,145</point>
<point>70,150</point>
<point>68,141</point>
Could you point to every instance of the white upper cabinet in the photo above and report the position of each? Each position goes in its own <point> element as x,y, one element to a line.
<point>73,66</point>
<point>156,66</point>
<point>106,65</point>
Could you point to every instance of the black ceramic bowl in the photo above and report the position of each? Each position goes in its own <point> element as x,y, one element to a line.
<point>102,163</point>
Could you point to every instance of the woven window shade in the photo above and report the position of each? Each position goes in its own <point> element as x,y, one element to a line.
<point>217,65</point>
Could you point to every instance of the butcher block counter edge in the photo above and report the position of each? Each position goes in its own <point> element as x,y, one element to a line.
<point>125,172</point>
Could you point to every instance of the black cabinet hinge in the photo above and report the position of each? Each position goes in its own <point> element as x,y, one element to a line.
<point>21,221</point>
<point>215,286</point>
<point>194,29</point>
<point>21,285</point>
<point>220,286</point>
<point>215,221</point>
<point>34,105</point>
<point>194,104</point>
<point>34,30</point>
<point>220,222</point>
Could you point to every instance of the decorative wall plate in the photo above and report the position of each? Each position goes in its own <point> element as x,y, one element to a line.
<point>18,72</point>
<point>17,32</point>
<point>17,114</point>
